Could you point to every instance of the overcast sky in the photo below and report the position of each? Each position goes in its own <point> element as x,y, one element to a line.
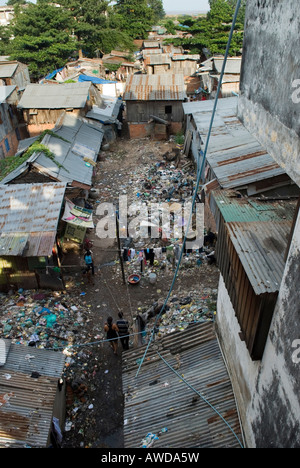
<point>185,5</point>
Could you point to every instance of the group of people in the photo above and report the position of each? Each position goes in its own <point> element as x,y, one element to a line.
<point>114,331</point>
<point>118,330</point>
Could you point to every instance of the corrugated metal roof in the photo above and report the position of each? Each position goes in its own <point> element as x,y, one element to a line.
<point>109,113</point>
<point>5,92</point>
<point>233,65</point>
<point>48,96</point>
<point>162,59</point>
<point>184,57</point>
<point>235,209</point>
<point>26,403</point>
<point>236,158</point>
<point>151,44</point>
<point>157,398</point>
<point>7,69</point>
<point>29,215</point>
<point>147,52</point>
<point>259,231</point>
<point>155,88</point>
<point>79,134</point>
<point>261,248</point>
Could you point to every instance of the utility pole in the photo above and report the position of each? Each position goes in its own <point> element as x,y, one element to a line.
<point>119,247</point>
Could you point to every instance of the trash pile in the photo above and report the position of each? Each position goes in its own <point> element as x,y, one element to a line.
<point>198,306</point>
<point>181,310</point>
<point>50,320</point>
<point>41,318</point>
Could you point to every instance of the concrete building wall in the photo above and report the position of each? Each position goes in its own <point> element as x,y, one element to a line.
<point>267,391</point>
<point>269,104</point>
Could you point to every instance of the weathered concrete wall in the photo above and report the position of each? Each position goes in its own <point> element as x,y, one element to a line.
<point>269,105</point>
<point>276,404</point>
<point>267,391</point>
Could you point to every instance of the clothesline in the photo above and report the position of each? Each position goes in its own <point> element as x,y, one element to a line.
<point>149,253</point>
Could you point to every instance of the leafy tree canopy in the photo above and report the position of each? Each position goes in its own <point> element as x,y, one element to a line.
<point>157,8</point>
<point>94,27</point>
<point>135,17</point>
<point>42,37</point>
<point>211,32</point>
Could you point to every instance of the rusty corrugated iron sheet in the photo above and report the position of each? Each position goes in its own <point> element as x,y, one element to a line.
<point>155,88</point>
<point>261,248</point>
<point>236,159</point>
<point>157,398</point>
<point>29,215</point>
<point>28,386</point>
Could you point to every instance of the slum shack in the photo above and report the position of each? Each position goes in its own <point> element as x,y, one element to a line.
<point>154,105</point>
<point>29,216</point>
<point>253,241</point>
<point>14,73</point>
<point>66,154</point>
<point>43,104</point>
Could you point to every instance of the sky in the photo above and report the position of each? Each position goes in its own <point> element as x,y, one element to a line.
<point>181,6</point>
<point>185,6</point>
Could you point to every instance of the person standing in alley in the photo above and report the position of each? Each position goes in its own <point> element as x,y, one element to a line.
<point>89,264</point>
<point>112,330</point>
<point>123,327</point>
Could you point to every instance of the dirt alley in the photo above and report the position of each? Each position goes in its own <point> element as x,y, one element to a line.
<point>95,417</point>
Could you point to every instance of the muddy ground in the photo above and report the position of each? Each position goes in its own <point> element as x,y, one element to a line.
<point>94,375</point>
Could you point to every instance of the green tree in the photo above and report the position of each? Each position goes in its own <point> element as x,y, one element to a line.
<point>157,8</point>
<point>42,37</point>
<point>95,27</point>
<point>211,33</point>
<point>5,40</point>
<point>135,17</point>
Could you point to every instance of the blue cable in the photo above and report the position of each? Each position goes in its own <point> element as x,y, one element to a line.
<point>201,396</point>
<point>198,180</point>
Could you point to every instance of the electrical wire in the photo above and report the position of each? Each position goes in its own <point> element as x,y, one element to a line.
<point>201,396</point>
<point>197,183</point>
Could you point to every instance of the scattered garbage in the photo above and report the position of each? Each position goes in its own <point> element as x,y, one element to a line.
<point>149,440</point>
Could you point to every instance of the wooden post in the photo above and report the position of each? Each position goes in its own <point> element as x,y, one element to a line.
<point>119,247</point>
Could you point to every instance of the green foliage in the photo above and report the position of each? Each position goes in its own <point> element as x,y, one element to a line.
<point>157,8</point>
<point>5,43</point>
<point>113,67</point>
<point>169,25</point>
<point>42,38</point>
<point>7,165</point>
<point>180,138</point>
<point>96,27</point>
<point>37,147</point>
<point>134,17</point>
<point>46,34</point>
<point>212,32</point>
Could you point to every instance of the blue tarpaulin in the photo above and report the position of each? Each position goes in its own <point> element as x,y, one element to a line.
<point>53,74</point>
<point>94,79</point>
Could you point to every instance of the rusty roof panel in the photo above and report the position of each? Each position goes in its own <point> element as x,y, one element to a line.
<point>155,88</point>
<point>26,403</point>
<point>157,398</point>
<point>261,248</point>
<point>235,157</point>
<point>241,209</point>
<point>29,214</point>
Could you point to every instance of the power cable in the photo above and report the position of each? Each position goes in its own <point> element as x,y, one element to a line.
<point>197,183</point>
<point>201,396</point>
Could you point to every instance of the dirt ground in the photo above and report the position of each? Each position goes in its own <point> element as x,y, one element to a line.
<point>95,415</point>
